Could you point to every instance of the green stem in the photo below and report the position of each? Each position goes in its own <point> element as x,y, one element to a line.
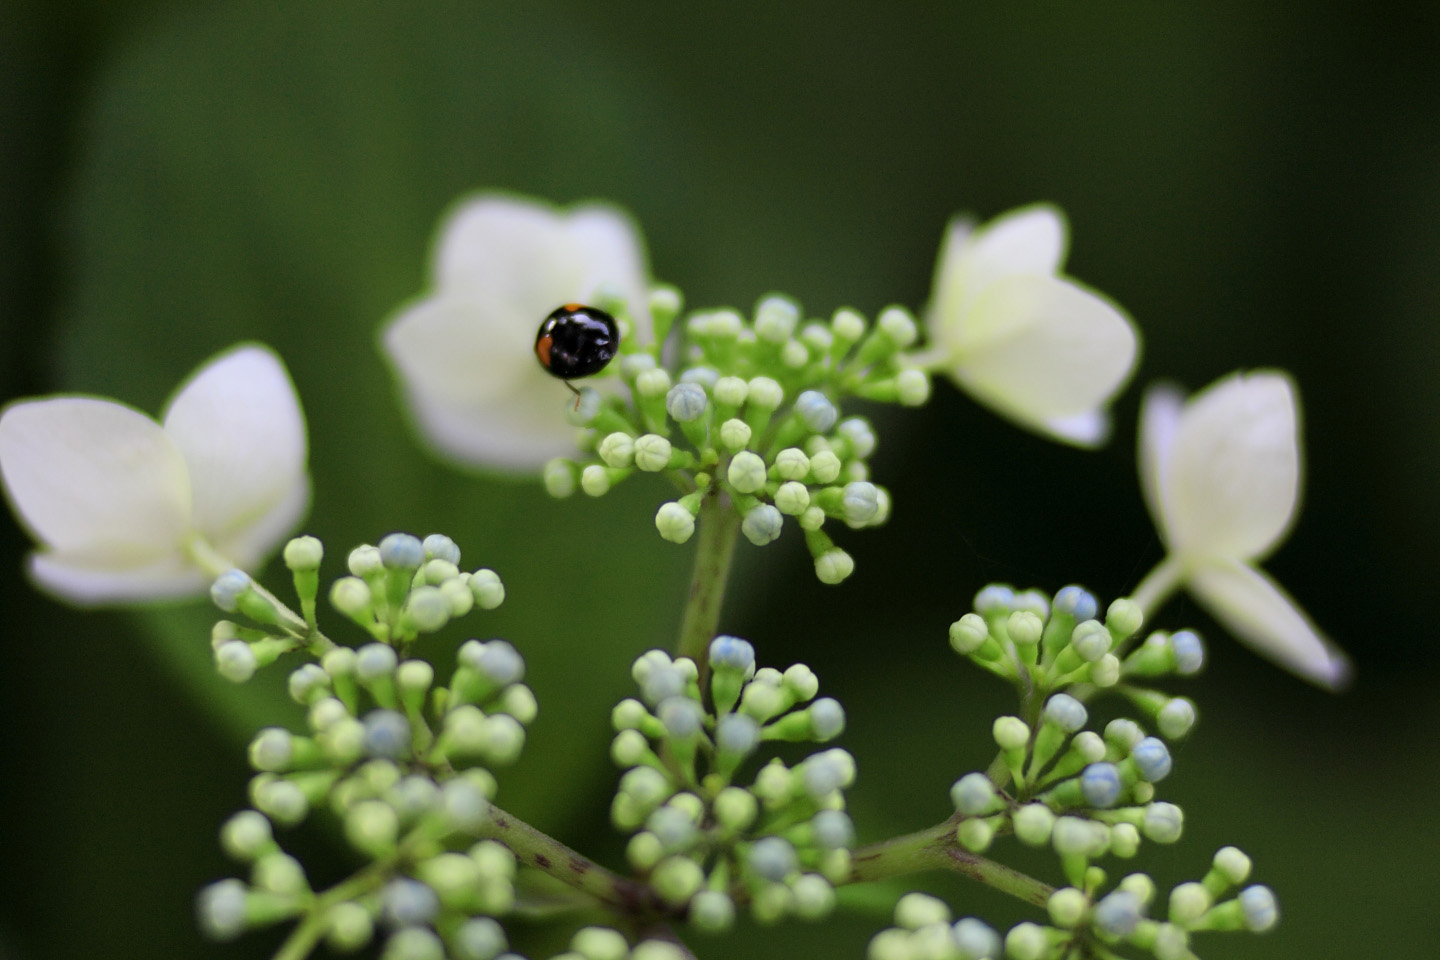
<point>719,525</point>
<point>937,849</point>
<point>533,848</point>
<point>308,932</point>
<point>1158,585</point>
<point>213,563</point>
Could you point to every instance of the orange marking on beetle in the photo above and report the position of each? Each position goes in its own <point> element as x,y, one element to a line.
<point>575,307</point>
<point>542,350</point>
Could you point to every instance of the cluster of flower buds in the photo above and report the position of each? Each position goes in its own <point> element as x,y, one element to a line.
<point>1085,924</point>
<point>397,591</point>
<point>404,764</point>
<point>753,414</point>
<point>603,943</point>
<point>705,843</point>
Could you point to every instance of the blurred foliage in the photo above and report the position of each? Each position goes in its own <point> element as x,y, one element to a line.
<point>1259,184</point>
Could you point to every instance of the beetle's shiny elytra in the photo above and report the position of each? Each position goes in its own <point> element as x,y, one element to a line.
<point>576,341</point>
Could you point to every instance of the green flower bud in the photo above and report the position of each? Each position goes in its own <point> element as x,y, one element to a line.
<point>652,453</point>
<point>221,910</point>
<point>1176,718</point>
<point>280,800</point>
<point>372,827</point>
<point>973,795</point>
<point>735,435</point>
<point>235,661</point>
<point>1124,618</point>
<point>246,835</point>
<point>600,943</point>
<point>833,566</point>
<point>657,950</point>
<point>968,633</point>
<point>652,383</point>
<point>762,524</point>
<point>348,927</point>
<point>765,393</point>
<point>1124,840</point>
<point>1231,867</point>
<point>775,319</point>
<point>559,478</point>
<point>975,835</point>
<point>916,910</point>
<point>1187,902</point>
<point>595,480</point>
<point>812,518</point>
<point>272,750</point>
<point>457,594</point>
<point>1033,824</point>
<point>712,911</point>
<point>731,391</point>
<point>897,324</point>
<point>413,943</point>
<point>676,879</point>
<point>519,701</point>
<point>1074,836</point>
<point>1067,907</point>
<point>617,450</point>
<point>825,467</point>
<point>1024,628</point>
<point>488,590</point>
<point>427,609</point>
<point>792,497</point>
<point>674,522</point>
<point>794,355</point>
<point>1027,941</point>
<point>479,938</point>
<point>686,402</point>
<point>304,553</point>
<point>629,748</point>
<point>746,472</point>
<point>1163,822</point>
<point>1011,733</point>
<point>912,388</point>
<point>735,809</point>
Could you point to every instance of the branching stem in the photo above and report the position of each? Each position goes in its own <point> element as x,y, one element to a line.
<point>936,848</point>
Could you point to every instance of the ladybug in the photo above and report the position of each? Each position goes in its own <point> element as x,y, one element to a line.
<point>576,341</point>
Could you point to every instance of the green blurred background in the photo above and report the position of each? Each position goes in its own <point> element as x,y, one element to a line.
<point>1258,183</point>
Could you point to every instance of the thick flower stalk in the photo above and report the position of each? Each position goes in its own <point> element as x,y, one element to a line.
<point>1221,475</point>
<point>463,354</point>
<point>127,509</point>
<point>1021,338</point>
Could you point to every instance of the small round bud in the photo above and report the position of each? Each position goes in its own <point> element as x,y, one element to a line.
<point>676,879</point>
<point>1077,602</point>
<point>773,858</point>
<point>861,502</point>
<point>1033,824</point>
<point>559,478</point>
<point>736,734</point>
<point>812,518</point>
<point>1124,617</point>
<point>731,391</point>
<point>792,498</point>
<point>227,589</point>
<point>686,402</point>
<point>975,835</point>
<point>371,826</point>
<point>834,565</point>
<point>735,808</point>
<point>479,938</point>
<point>246,835</point>
<point>897,324</point>
<point>674,827</point>
<point>765,393</point>
<point>860,435</point>
<point>600,943</point>
<point>1163,822</point>
<point>387,734</point>
<point>235,661</point>
<point>1117,914</point>
<point>652,453</point>
<point>746,472</point>
<point>1066,907</point>
<point>617,449</point>
<point>792,464</point>
<point>1189,652</point>
<point>794,355</point>
<point>827,719</point>
<point>1011,733</point>
<point>595,480</point>
<point>762,524</point>
<point>1100,785</point>
<point>487,588</point>
<point>363,561</point>
<point>973,794</point>
<point>428,609</point>
<point>1176,718</point>
<point>375,660</point>
<point>1152,759</point>
<point>916,910</point>
<point>1091,640</point>
<point>306,681</point>
<point>1124,840</point>
<point>1187,902</point>
<point>220,908</point>
<point>1123,733</point>
<point>652,383</point>
<point>968,633</point>
<point>732,653</point>
<point>1232,864</point>
<point>1105,672</point>
<point>674,522</point>
<point>401,551</point>
<point>1024,628</point>
<point>735,435</point>
<point>912,388</point>
<point>1075,836</point>
<point>304,553</point>
<point>825,466</point>
<point>272,750</point>
<point>995,598</point>
<point>348,927</point>
<point>824,773</point>
<point>649,950</point>
<point>775,319</point>
<point>681,716</point>
<point>1260,909</point>
<point>712,911</point>
<point>816,411</point>
<point>833,830</point>
<point>1066,712</point>
<point>1027,941</point>
<point>407,903</point>
<point>413,943</point>
<point>976,940</point>
<point>437,546</point>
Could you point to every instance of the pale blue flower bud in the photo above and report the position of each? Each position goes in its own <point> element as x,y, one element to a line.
<point>500,662</point>
<point>827,719</point>
<point>765,393</point>
<point>662,682</point>
<point>1117,914</point>
<point>775,319</point>
<point>402,551</point>
<point>704,377</point>
<point>861,436</point>
<point>1152,759</point>
<point>1066,712</point>
<point>652,453</point>
<point>731,391</point>
<point>912,388</point>
<point>674,522</point>
<point>220,908</point>
<point>387,734</point>
<point>305,680</point>
<point>681,716</point>
<point>686,402</point>
<point>1163,822</point>
<point>735,733</point>
<point>816,411</point>
<point>712,911</point>
<point>634,364</point>
<point>1189,652</point>
<point>464,805</point>
<point>437,546</point>
<point>617,449</point>
<point>762,524</point>
<point>732,653</point>
<point>861,502</point>
<point>792,498</point>
<point>235,661</point>
<point>1034,602</point>
<point>1100,785</point>
<point>428,609</point>
<point>976,940</point>
<point>994,598</point>
<point>673,826</point>
<point>834,565</point>
<point>746,472</point>
<point>479,938</point>
<point>412,797</point>
<point>272,750</point>
<point>407,903</point>
<point>973,794</point>
<point>833,830</point>
<point>227,589</point>
<point>824,773</point>
<point>375,660</point>
<point>898,325</point>
<point>1260,909</point>
<point>1176,718</point>
<point>735,435</point>
<point>773,858</point>
<point>1077,602</point>
<point>487,588</point>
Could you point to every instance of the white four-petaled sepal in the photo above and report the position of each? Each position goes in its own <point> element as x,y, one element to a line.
<point>120,503</point>
<point>1221,476</point>
<point>464,355</point>
<point>1009,329</point>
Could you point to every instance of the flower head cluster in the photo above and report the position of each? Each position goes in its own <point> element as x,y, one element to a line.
<point>127,509</point>
<point>404,764</point>
<point>705,843</point>
<point>1086,923</point>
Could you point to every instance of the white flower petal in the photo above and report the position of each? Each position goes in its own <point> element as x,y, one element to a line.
<point>1028,241</point>
<point>1232,475</point>
<point>1043,350</point>
<point>1159,420</point>
<point>1088,429</point>
<point>461,350</point>
<point>95,480</point>
<point>614,258</point>
<point>238,424</point>
<point>517,433</point>
<point>1259,612</point>
<point>247,546</point>
<point>86,583</point>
